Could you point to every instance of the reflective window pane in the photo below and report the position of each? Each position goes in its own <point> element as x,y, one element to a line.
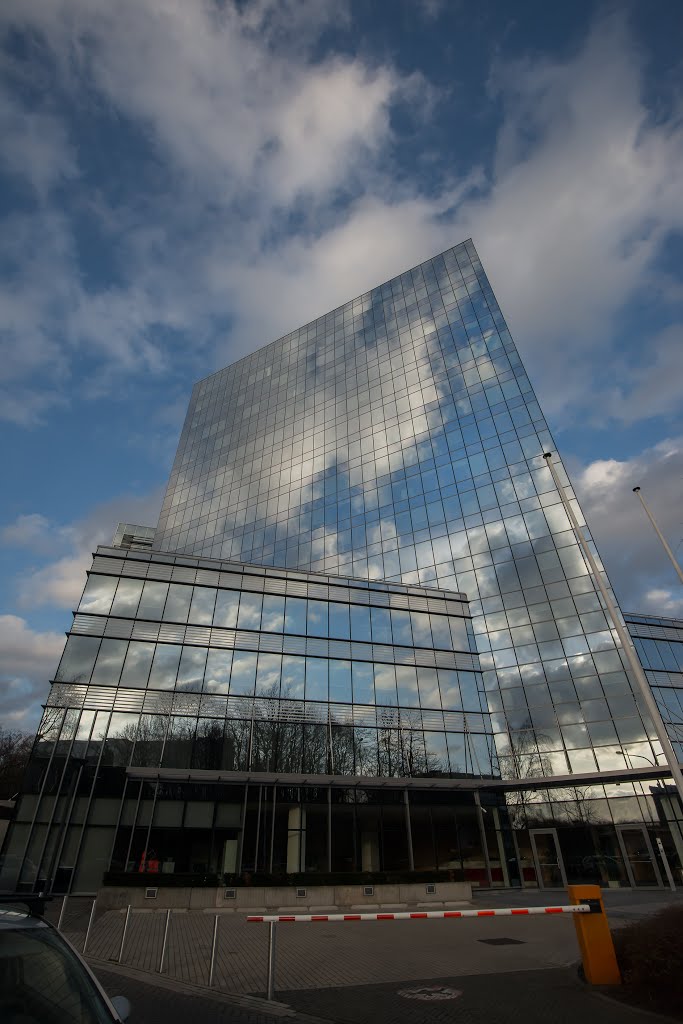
<point>273,615</point>
<point>268,675</point>
<point>127,598</point>
<point>380,625</point>
<point>360,622</point>
<point>317,624</point>
<point>295,615</point>
<point>177,604</point>
<point>191,669</point>
<point>225,614</point>
<point>202,607</point>
<point>217,673</point>
<point>109,662</point>
<point>98,595</point>
<point>78,659</point>
<point>250,611</point>
<point>153,600</point>
<point>316,679</point>
<point>293,677</point>
<point>137,665</point>
<point>243,676</point>
<point>165,666</point>
<point>340,628</point>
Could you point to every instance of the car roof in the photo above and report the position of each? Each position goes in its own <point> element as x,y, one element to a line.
<point>12,917</point>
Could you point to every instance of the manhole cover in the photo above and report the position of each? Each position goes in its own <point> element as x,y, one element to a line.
<point>502,942</point>
<point>429,993</point>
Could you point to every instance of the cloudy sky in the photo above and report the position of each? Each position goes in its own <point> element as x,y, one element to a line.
<point>182,181</point>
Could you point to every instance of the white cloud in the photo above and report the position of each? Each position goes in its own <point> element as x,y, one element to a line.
<point>34,531</point>
<point>245,125</point>
<point>663,601</point>
<point>635,560</point>
<point>35,146</point>
<point>28,659</point>
<point>586,188</point>
<point>278,182</point>
<point>569,226</point>
<point>652,388</point>
<point>58,582</point>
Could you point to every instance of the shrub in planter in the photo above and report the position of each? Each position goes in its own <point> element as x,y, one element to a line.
<point>650,955</point>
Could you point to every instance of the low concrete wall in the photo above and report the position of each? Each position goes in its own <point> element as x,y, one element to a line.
<point>250,899</point>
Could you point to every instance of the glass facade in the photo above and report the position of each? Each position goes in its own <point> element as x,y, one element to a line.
<point>361,638</point>
<point>659,643</point>
<point>216,669</point>
<point>398,438</point>
<point>296,673</point>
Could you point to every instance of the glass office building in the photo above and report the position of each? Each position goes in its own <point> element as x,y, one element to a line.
<point>390,449</point>
<point>214,718</point>
<point>398,438</point>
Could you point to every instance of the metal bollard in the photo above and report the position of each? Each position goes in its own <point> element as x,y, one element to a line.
<point>595,939</point>
<point>213,950</point>
<point>163,945</point>
<point>90,921</point>
<point>123,937</point>
<point>270,994</point>
<point>61,913</point>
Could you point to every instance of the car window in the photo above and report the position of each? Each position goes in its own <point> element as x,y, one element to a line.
<point>43,982</point>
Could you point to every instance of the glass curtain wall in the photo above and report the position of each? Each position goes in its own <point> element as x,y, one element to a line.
<point>398,437</point>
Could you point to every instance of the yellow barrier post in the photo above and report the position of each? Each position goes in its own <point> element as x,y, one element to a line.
<point>595,939</point>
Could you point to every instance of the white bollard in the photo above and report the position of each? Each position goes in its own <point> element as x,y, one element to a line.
<point>61,913</point>
<point>213,950</point>
<point>271,960</point>
<point>123,937</point>
<point>87,933</point>
<point>163,945</point>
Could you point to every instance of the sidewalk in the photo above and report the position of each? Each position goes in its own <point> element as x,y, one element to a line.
<point>334,956</point>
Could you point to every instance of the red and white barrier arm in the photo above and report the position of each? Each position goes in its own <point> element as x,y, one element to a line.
<point>579,908</point>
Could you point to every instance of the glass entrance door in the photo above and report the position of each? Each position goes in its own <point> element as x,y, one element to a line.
<point>639,856</point>
<point>549,867</point>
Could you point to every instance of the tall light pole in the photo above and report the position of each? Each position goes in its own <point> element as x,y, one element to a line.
<point>629,651</point>
<point>636,490</point>
<point>627,757</point>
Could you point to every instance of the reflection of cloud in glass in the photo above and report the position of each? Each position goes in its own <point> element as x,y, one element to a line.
<point>217,675</point>
<point>243,673</point>
<point>398,436</point>
<point>293,677</point>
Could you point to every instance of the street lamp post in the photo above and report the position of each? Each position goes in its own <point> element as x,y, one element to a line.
<point>627,756</point>
<point>636,490</point>
<point>629,651</point>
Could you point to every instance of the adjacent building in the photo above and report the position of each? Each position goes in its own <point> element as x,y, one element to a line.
<point>362,637</point>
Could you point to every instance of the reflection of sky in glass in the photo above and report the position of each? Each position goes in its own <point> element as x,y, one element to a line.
<point>217,675</point>
<point>398,437</point>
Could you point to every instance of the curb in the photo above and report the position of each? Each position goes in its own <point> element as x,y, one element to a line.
<point>256,1004</point>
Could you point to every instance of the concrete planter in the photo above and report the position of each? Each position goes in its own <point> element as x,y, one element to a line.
<point>255,899</point>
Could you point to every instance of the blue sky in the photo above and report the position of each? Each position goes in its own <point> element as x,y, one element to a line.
<point>182,181</point>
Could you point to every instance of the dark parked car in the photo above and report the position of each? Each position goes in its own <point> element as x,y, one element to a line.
<point>43,980</point>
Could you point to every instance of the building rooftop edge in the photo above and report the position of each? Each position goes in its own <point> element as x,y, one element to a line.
<point>381,284</point>
<point>220,565</point>
<point>655,620</point>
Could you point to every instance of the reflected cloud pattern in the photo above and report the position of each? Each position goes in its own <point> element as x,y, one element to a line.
<point>398,438</point>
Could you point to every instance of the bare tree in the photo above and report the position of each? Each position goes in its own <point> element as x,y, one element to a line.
<point>15,749</point>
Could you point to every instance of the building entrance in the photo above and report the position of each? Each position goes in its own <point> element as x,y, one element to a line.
<point>547,858</point>
<point>639,857</point>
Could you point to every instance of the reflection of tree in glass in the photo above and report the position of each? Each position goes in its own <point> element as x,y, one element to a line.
<point>526,759</point>
<point>148,736</point>
<point>401,746</point>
